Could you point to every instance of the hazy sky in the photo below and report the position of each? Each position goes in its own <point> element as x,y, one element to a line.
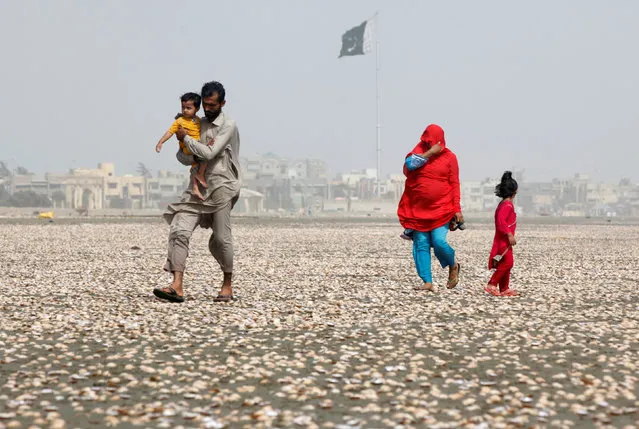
<point>549,86</point>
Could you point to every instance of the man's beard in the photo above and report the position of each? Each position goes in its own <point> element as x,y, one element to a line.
<point>211,115</point>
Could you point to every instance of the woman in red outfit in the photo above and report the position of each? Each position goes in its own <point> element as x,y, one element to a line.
<point>501,255</point>
<point>429,202</point>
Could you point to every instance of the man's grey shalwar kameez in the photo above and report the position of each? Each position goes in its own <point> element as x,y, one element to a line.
<point>224,182</point>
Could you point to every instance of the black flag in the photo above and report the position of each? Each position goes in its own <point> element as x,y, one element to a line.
<point>353,41</point>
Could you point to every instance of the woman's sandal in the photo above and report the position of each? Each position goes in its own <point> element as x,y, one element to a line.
<point>224,298</point>
<point>169,296</point>
<point>455,280</point>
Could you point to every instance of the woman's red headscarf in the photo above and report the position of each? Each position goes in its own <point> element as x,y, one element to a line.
<point>433,134</point>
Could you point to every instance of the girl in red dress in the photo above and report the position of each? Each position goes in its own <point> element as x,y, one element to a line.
<point>501,255</point>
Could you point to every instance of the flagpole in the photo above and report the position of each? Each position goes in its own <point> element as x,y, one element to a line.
<point>377,100</point>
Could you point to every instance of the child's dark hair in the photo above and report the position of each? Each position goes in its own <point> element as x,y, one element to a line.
<point>507,187</point>
<point>192,96</point>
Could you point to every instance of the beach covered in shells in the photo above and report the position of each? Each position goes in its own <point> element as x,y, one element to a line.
<point>327,331</point>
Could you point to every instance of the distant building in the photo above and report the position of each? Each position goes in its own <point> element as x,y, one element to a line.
<point>272,183</point>
<point>472,196</point>
<point>165,188</point>
<point>286,184</point>
<point>249,202</point>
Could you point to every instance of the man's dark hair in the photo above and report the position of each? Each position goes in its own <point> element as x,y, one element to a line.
<point>192,96</point>
<point>507,187</point>
<point>214,87</point>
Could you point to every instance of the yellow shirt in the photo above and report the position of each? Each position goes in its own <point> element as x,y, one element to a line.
<point>192,128</point>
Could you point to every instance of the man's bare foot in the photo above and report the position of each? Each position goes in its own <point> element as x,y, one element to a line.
<point>226,293</point>
<point>426,286</point>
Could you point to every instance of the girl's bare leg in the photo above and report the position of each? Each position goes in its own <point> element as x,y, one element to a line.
<point>195,188</point>
<point>201,169</point>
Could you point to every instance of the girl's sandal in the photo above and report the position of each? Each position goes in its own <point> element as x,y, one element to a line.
<point>492,290</point>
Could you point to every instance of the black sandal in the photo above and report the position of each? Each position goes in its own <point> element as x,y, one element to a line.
<point>169,296</point>
<point>224,298</point>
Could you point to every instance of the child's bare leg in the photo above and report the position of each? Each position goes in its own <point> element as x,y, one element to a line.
<point>195,188</point>
<point>201,169</point>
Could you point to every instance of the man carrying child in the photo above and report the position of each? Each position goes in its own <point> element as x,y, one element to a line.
<point>213,211</point>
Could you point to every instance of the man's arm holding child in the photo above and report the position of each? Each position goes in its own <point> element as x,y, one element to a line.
<point>204,151</point>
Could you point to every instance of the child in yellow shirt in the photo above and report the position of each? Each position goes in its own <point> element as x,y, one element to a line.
<point>191,124</point>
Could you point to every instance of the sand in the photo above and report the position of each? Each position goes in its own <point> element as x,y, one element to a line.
<point>327,331</point>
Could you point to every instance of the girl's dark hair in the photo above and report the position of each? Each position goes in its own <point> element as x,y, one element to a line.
<point>507,187</point>
<point>192,96</point>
